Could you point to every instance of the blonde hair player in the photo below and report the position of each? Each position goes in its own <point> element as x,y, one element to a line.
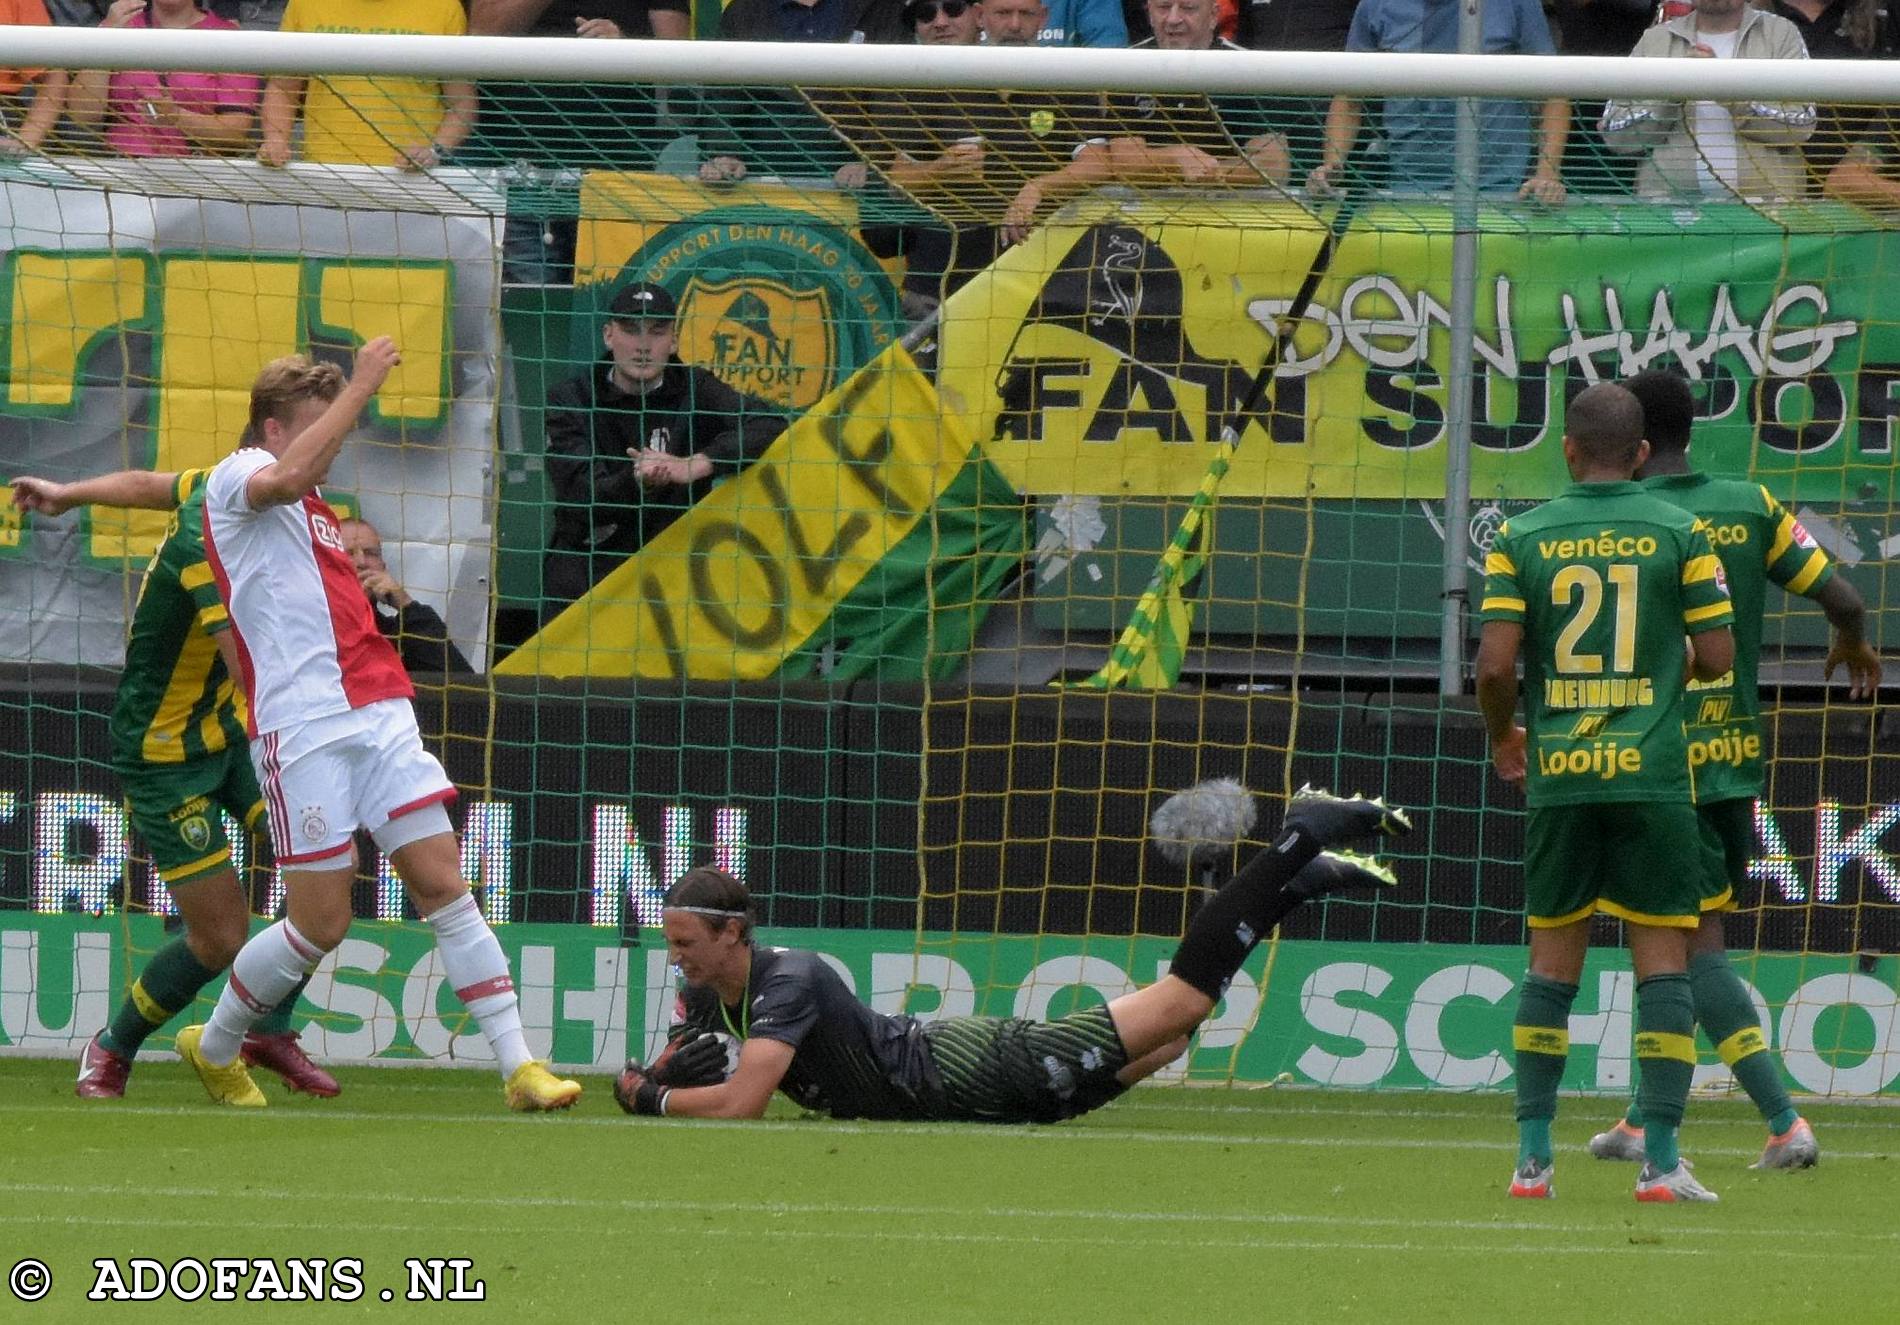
<point>333,732</point>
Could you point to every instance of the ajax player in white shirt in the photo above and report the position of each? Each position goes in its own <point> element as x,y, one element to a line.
<point>333,734</point>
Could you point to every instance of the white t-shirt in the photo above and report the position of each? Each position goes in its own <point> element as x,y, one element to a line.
<point>1719,164</point>
<point>307,644</point>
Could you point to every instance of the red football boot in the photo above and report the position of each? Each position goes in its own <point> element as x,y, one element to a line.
<point>102,1073</point>
<point>282,1054</point>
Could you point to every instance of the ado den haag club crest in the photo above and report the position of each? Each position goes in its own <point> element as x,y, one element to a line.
<point>761,336</point>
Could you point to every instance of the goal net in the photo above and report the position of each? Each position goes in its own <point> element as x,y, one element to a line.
<point>1043,436</point>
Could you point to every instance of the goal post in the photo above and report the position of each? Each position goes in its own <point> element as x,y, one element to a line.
<point>1008,528</point>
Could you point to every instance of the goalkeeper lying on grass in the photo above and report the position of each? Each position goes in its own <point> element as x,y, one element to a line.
<point>800,1030</point>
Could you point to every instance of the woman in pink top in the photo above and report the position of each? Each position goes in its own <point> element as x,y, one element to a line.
<point>154,114</point>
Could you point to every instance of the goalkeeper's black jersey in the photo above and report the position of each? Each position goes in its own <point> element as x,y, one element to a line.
<point>848,1060</point>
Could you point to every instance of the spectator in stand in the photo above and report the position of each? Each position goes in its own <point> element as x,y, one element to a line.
<point>1013,22</point>
<point>668,20</point>
<point>254,15</point>
<point>1183,139</point>
<point>1748,149</point>
<point>166,114</point>
<point>420,635</point>
<point>1419,131</point>
<point>930,250</point>
<point>1855,151</point>
<point>635,441</point>
<point>962,154</point>
<point>1083,23</point>
<point>30,99</point>
<point>744,131</point>
<point>1843,29</point>
<point>72,13</point>
<point>945,22</point>
<point>576,126</point>
<point>814,20</point>
<point>1868,171</point>
<point>1846,30</point>
<point>1295,25</point>
<point>1607,28</point>
<point>1601,27</point>
<point>415,123</point>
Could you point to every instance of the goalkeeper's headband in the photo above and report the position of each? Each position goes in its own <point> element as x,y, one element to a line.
<point>708,911</point>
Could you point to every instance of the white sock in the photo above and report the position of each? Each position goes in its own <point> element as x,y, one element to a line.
<point>478,972</point>
<point>267,968</point>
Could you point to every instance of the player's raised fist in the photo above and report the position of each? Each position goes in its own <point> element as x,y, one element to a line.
<point>374,362</point>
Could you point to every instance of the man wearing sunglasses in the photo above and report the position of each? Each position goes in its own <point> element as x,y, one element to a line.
<point>945,22</point>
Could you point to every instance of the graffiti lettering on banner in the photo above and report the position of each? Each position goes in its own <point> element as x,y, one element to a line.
<point>737,584</point>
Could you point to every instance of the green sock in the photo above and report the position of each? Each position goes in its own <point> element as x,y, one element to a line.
<point>1541,1036</point>
<point>164,989</point>
<point>277,1020</point>
<point>1665,1057</point>
<point>1727,1015</point>
<point>1633,1116</point>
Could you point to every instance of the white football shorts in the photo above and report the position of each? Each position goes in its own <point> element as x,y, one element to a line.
<point>328,777</point>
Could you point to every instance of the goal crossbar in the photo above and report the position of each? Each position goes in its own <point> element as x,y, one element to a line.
<point>564,60</point>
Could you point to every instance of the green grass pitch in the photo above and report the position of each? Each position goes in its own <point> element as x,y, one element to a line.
<point>1172,1205</point>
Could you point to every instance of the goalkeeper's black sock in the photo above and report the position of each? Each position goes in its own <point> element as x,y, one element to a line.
<point>167,985</point>
<point>1242,913</point>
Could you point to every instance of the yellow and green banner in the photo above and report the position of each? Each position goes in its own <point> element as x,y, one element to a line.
<point>866,538</point>
<point>777,297</point>
<point>1103,355</point>
<point>135,320</point>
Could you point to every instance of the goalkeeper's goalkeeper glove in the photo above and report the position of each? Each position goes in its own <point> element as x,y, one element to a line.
<point>636,1091</point>
<point>700,1061</point>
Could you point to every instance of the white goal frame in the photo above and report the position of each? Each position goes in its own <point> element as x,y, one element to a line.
<point>1301,73</point>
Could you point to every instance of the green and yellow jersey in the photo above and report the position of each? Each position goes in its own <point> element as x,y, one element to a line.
<point>176,701</point>
<point>1758,541</point>
<point>1606,579</point>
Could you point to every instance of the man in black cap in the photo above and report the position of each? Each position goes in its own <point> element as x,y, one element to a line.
<point>635,441</point>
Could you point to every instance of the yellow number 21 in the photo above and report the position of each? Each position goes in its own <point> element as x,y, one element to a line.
<point>1584,584</point>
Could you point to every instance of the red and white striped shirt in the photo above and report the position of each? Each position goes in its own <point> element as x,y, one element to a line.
<point>307,643</point>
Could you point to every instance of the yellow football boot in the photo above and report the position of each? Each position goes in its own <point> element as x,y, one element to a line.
<point>231,1084</point>
<point>532,1088</point>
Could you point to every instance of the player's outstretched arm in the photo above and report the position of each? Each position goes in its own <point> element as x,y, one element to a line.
<point>762,1065</point>
<point>1849,647</point>
<point>307,457</point>
<point>142,489</point>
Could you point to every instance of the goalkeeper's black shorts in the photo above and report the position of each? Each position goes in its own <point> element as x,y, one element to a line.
<point>1008,1070</point>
